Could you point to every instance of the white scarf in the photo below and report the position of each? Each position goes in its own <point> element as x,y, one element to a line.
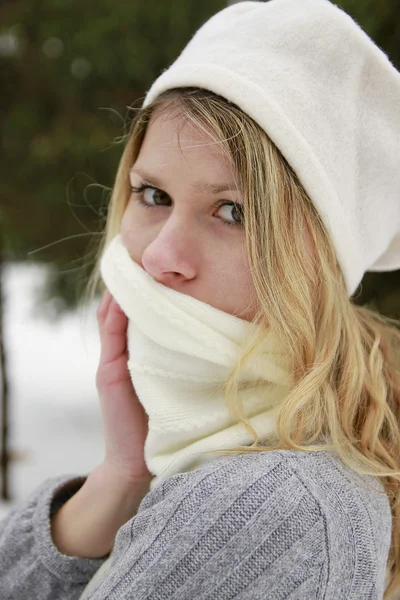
<point>181,351</point>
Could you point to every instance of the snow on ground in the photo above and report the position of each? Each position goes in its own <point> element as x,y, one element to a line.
<point>55,423</point>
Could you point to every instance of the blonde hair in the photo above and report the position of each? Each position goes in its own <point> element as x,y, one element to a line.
<point>345,358</point>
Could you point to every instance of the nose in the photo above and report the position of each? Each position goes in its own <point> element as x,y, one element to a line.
<point>171,258</point>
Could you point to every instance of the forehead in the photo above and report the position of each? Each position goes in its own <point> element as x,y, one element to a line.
<point>171,140</point>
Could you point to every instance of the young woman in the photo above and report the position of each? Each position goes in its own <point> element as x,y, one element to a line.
<point>251,411</point>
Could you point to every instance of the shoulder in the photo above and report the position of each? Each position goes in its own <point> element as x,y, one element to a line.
<point>349,503</point>
<point>321,476</point>
<point>309,507</point>
<point>291,522</point>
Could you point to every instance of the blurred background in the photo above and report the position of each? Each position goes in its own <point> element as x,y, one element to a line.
<point>69,71</point>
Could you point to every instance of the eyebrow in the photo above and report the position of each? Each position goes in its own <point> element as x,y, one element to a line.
<point>198,186</point>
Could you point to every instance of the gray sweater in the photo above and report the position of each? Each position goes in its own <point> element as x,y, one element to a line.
<point>266,526</point>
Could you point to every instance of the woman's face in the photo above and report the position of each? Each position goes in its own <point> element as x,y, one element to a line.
<point>188,235</point>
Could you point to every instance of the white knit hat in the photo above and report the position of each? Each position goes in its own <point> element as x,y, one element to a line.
<point>329,99</point>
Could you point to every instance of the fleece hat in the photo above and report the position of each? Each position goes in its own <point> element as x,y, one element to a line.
<point>328,97</point>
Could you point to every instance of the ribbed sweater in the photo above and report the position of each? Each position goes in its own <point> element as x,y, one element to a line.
<point>279,525</point>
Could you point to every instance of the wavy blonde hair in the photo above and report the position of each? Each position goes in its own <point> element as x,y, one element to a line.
<point>346,358</point>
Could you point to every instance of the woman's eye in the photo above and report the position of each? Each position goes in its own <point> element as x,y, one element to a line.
<point>154,196</point>
<point>230,212</point>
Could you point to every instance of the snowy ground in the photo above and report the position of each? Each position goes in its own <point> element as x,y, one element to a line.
<point>55,424</point>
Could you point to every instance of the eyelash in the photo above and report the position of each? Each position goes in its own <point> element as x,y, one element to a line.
<point>139,190</point>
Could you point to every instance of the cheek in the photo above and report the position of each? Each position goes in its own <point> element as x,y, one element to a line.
<point>234,276</point>
<point>132,234</point>
<point>127,220</point>
<point>126,225</point>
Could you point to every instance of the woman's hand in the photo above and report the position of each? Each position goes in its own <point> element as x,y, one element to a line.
<point>124,419</point>
<point>86,525</point>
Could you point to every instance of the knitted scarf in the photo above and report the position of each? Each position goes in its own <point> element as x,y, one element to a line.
<point>181,351</point>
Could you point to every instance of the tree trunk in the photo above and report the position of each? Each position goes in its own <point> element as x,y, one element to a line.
<point>4,457</point>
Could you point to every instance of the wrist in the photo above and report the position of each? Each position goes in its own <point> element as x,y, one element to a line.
<point>125,492</point>
<point>87,524</point>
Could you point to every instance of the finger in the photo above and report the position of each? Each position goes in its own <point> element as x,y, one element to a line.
<point>102,309</point>
<point>116,320</point>
<point>113,333</point>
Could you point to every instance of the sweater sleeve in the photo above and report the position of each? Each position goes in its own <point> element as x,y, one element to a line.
<point>30,564</point>
<point>222,535</point>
